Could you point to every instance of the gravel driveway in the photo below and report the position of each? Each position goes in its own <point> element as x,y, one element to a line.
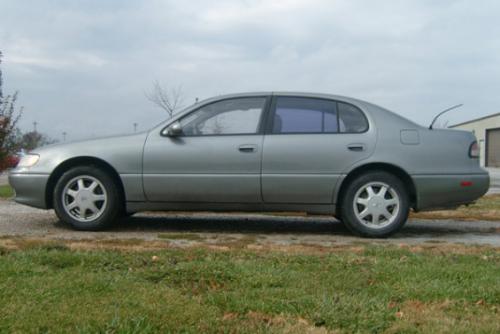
<point>18,220</point>
<point>4,179</point>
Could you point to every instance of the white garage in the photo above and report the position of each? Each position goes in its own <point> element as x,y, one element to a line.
<point>487,131</point>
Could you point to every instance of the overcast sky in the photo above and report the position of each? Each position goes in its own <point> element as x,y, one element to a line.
<point>83,66</point>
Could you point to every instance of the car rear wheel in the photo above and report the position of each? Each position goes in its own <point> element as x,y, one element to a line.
<point>87,198</point>
<point>375,204</point>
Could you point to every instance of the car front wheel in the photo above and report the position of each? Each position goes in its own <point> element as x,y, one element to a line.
<point>375,204</point>
<point>87,198</point>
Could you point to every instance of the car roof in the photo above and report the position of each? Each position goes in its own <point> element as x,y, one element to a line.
<point>363,105</point>
<point>286,93</point>
<point>357,102</point>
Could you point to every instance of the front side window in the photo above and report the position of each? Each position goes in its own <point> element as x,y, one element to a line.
<point>304,115</point>
<point>234,116</point>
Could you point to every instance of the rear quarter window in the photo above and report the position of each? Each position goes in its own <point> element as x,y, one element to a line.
<point>351,119</point>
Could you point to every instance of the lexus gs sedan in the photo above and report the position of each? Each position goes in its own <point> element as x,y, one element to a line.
<point>314,153</point>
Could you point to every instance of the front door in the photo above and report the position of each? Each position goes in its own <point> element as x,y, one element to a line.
<point>308,144</point>
<point>216,158</point>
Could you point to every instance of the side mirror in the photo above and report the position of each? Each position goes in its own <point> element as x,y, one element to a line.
<point>174,130</point>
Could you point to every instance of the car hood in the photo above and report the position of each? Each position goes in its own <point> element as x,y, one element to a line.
<point>87,144</point>
<point>124,153</point>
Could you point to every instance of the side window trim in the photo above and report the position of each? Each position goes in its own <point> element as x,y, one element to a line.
<point>264,117</point>
<point>268,130</point>
<point>260,127</point>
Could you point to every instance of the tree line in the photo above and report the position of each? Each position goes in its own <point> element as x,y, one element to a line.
<point>12,139</point>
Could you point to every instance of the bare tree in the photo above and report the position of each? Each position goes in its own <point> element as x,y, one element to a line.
<point>169,99</point>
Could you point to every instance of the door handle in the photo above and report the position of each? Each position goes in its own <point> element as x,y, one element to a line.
<point>356,147</point>
<point>247,148</point>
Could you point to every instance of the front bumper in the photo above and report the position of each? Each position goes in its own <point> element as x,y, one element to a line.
<point>30,188</point>
<point>444,191</point>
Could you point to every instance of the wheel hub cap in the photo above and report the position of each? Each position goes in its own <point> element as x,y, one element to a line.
<point>376,205</point>
<point>84,198</point>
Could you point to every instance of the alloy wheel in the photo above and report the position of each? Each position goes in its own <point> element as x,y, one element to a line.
<point>376,205</point>
<point>84,198</point>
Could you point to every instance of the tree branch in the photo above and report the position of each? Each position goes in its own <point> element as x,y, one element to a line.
<point>170,100</point>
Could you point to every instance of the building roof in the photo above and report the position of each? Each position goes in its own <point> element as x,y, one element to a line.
<point>475,120</point>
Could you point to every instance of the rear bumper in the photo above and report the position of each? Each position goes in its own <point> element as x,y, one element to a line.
<point>30,189</point>
<point>443,191</point>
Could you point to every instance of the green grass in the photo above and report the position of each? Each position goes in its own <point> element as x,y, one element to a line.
<point>181,236</point>
<point>485,208</point>
<point>6,191</point>
<point>378,289</point>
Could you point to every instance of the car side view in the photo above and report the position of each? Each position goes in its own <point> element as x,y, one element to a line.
<point>314,153</point>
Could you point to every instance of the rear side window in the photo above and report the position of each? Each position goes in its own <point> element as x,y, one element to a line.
<point>304,115</point>
<point>351,119</point>
<point>310,115</point>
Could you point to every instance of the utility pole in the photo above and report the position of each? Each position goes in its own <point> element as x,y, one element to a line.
<point>64,136</point>
<point>35,123</point>
<point>135,127</point>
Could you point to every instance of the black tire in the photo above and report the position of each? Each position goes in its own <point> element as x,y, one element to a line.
<point>110,209</point>
<point>359,226</point>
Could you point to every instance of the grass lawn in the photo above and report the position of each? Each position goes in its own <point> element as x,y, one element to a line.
<point>6,191</point>
<point>486,208</point>
<point>436,288</point>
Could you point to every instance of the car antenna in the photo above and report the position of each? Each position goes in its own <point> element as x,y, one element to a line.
<point>442,112</point>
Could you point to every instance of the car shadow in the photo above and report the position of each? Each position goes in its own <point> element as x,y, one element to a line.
<point>298,225</point>
<point>232,224</point>
<point>444,229</point>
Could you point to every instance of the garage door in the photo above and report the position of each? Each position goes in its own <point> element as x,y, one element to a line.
<point>493,148</point>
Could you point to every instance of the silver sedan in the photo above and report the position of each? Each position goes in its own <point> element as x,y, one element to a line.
<point>322,154</point>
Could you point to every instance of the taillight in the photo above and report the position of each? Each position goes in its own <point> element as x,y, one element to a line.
<point>474,150</point>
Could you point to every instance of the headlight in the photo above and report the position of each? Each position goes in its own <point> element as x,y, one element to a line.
<point>29,160</point>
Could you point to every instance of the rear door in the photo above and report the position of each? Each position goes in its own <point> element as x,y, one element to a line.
<point>309,142</point>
